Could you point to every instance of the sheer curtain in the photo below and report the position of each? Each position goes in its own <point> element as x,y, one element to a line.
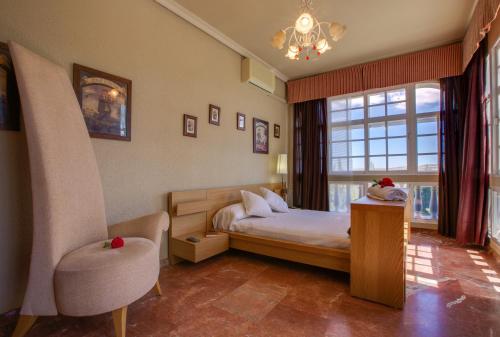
<point>310,174</point>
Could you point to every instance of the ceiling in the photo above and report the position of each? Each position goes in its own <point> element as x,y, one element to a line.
<point>375,29</point>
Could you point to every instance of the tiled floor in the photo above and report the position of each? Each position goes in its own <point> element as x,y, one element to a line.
<point>452,291</point>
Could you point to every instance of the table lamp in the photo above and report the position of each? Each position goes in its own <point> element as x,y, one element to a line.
<point>282,168</point>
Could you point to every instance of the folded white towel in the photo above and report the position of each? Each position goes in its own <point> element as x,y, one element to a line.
<point>388,193</point>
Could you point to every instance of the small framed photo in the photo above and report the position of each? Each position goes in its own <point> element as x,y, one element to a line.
<point>276,131</point>
<point>106,102</point>
<point>260,136</point>
<point>9,96</point>
<point>214,114</point>
<point>190,126</point>
<point>241,121</point>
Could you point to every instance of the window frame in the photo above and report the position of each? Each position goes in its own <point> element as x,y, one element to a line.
<point>410,116</point>
<point>493,101</point>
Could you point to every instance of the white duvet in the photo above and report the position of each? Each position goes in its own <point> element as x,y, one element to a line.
<point>309,227</point>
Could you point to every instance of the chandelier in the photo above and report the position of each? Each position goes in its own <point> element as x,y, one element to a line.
<point>306,37</point>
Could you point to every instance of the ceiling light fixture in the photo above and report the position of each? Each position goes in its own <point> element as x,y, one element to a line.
<point>306,37</point>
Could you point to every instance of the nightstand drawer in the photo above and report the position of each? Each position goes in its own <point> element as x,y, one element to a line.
<point>198,251</point>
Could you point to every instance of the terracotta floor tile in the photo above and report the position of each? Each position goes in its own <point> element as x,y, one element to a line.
<point>252,302</point>
<point>286,321</point>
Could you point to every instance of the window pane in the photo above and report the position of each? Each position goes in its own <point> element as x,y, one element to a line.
<point>376,111</point>
<point>396,109</point>
<point>339,134</point>
<point>339,149</point>
<point>357,148</point>
<point>338,104</point>
<point>425,202</point>
<point>396,95</point>
<point>378,98</point>
<point>357,164</point>
<point>339,164</point>
<point>357,132</point>
<point>426,126</point>
<point>356,114</point>
<point>427,99</point>
<point>397,163</point>
<point>376,130</point>
<point>427,144</point>
<point>397,145</point>
<point>377,164</point>
<point>396,128</point>
<point>427,163</point>
<point>377,146</point>
<point>356,102</point>
<point>498,75</point>
<point>339,116</point>
<point>341,196</point>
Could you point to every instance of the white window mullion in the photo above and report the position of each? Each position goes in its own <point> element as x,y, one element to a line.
<point>411,128</point>
<point>367,137</point>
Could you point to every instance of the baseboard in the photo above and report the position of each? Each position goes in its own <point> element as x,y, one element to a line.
<point>494,248</point>
<point>164,262</point>
<point>424,225</point>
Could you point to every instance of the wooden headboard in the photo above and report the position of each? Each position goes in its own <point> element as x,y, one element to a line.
<point>192,211</point>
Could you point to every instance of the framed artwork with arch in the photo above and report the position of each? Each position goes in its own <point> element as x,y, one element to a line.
<point>106,102</point>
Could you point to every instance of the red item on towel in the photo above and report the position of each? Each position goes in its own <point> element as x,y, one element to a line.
<point>386,182</point>
<point>117,242</point>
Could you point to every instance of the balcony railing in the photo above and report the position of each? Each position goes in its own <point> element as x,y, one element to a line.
<point>423,198</point>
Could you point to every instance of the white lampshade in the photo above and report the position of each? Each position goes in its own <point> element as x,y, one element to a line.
<point>282,167</point>
<point>304,23</point>
<point>279,40</point>
<point>337,31</point>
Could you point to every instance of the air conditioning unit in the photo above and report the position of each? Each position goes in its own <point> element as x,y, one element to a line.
<point>257,74</point>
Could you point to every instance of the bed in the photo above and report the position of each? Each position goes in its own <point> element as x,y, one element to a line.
<point>192,211</point>
<point>308,227</point>
<point>374,254</point>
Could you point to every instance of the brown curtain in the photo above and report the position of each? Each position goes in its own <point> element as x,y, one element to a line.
<point>310,175</point>
<point>474,180</point>
<point>451,131</point>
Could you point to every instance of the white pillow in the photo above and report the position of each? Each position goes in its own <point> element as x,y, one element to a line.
<point>226,216</point>
<point>274,200</point>
<point>256,205</point>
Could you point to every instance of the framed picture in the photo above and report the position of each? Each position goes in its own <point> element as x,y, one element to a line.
<point>190,126</point>
<point>9,96</point>
<point>214,114</point>
<point>106,102</point>
<point>260,136</point>
<point>241,121</point>
<point>276,131</point>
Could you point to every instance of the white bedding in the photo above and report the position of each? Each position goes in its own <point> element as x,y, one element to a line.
<point>309,227</point>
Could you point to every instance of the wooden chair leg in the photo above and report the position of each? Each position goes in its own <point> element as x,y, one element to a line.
<point>120,321</point>
<point>158,288</point>
<point>24,324</point>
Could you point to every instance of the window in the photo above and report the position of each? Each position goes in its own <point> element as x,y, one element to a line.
<point>492,104</point>
<point>423,198</point>
<point>393,130</point>
<point>493,97</point>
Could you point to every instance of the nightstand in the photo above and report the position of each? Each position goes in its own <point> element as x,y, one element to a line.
<point>199,251</point>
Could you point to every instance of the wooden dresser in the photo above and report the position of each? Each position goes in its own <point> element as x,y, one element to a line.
<point>378,258</point>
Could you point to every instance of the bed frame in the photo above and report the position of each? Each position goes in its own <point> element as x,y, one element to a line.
<point>191,213</point>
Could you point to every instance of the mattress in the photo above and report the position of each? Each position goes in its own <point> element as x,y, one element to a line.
<point>317,228</point>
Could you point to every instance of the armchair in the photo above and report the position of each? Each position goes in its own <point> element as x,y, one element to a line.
<point>70,271</point>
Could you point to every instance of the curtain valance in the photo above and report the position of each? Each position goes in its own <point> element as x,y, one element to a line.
<point>426,65</point>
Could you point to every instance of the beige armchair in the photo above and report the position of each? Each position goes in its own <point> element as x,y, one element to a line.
<point>70,271</point>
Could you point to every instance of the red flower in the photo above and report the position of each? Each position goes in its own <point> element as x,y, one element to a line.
<point>117,242</point>
<point>386,182</point>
